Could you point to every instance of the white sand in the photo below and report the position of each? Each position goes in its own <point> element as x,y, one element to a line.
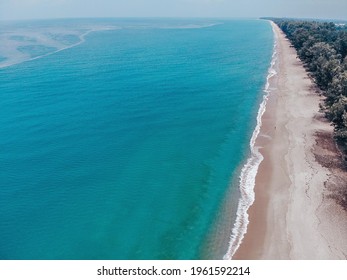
<point>292,218</point>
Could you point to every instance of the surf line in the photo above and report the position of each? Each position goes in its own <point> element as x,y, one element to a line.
<point>250,169</point>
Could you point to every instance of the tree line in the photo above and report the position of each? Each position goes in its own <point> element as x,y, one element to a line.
<point>322,46</point>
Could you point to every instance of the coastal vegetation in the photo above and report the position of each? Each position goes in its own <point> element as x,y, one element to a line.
<point>322,46</point>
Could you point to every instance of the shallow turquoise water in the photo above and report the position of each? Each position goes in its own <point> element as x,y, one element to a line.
<point>123,147</point>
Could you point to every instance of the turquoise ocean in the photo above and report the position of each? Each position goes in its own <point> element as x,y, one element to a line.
<point>124,138</point>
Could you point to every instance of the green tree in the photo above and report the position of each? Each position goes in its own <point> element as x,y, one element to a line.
<point>322,46</point>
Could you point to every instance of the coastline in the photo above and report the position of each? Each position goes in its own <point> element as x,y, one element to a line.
<point>250,169</point>
<point>293,216</point>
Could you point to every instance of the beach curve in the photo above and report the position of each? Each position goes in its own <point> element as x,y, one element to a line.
<point>250,169</point>
<point>291,217</point>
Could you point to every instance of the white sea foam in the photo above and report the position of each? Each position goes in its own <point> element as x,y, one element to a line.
<point>249,171</point>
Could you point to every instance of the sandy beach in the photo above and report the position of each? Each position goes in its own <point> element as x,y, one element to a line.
<point>295,215</point>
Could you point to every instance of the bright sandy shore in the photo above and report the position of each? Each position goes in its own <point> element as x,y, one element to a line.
<point>293,216</point>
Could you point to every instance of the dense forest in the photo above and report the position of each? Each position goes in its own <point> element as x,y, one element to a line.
<point>322,47</point>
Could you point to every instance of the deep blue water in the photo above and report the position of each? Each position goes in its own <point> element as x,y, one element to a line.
<point>123,147</point>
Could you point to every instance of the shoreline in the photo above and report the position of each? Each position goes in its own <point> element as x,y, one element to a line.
<point>250,168</point>
<point>292,216</point>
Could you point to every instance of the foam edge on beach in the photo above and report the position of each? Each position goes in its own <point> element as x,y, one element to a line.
<point>250,169</point>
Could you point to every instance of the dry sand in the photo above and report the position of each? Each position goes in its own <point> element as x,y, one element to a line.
<point>293,216</point>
